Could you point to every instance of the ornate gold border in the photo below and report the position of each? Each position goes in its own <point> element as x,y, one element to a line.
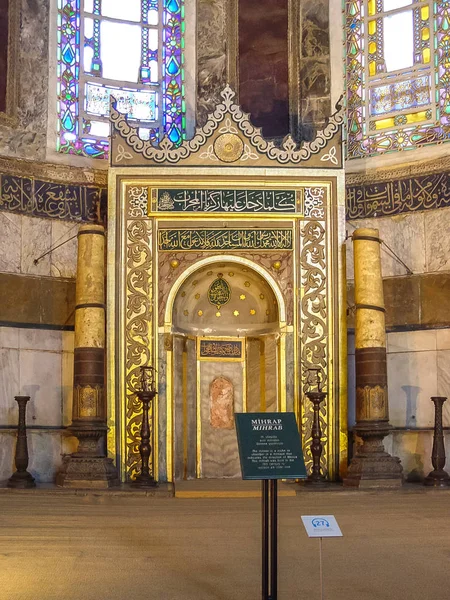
<point>127,297</point>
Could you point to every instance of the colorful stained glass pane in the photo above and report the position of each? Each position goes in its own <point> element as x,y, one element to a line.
<point>140,105</point>
<point>400,96</point>
<point>403,64</point>
<point>149,55</point>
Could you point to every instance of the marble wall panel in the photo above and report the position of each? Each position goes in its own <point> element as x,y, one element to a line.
<point>40,378</point>
<point>36,240</point>
<point>9,385</point>
<point>211,55</point>
<point>9,337</point>
<point>412,380</point>
<point>45,452</point>
<point>67,387</point>
<point>10,242</point>
<point>437,226</point>
<point>405,234</point>
<point>411,341</point>
<point>443,382</point>
<point>414,448</point>
<point>314,25</point>
<point>63,260</point>
<point>253,375</point>
<point>7,449</point>
<point>443,339</point>
<point>219,446</point>
<point>40,339</point>
<point>28,138</point>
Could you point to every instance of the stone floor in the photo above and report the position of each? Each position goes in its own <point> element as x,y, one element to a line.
<point>105,547</point>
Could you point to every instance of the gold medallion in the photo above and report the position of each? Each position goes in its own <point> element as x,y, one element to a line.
<point>228,147</point>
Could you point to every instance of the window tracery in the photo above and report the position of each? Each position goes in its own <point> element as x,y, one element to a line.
<point>131,50</point>
<point>398,75</point>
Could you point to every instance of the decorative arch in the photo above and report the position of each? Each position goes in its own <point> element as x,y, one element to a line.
<point>229,259</point>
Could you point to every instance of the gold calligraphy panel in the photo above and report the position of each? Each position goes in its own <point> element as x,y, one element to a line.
<point>170,240</point>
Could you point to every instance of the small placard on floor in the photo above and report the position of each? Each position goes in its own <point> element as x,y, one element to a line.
<point>321,526</point>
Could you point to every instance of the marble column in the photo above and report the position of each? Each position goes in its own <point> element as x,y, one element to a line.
<point>371,465</point>
<point>89,466</point>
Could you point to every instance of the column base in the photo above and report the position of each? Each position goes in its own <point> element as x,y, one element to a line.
<point>374,472</point>
<point>437,478</point>
<point>21,480</point>
<point>144,482</point>
<point>87,472</point>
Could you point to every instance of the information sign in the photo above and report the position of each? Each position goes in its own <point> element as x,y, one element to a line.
<point>269,446</point>
<point>321,526</point>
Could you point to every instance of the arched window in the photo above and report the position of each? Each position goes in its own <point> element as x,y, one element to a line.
<point>133,50</point>
<point>398,75</point>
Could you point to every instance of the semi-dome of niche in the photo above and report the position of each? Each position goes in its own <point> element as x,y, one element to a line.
<point>225,299</point>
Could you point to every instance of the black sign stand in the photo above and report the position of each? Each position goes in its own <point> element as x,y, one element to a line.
<point>269,449</point>
<point>269,539</point>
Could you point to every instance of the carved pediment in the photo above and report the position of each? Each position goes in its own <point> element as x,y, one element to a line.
<point>227,139</point>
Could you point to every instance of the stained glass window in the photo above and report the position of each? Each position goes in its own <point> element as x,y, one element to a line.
<point>398,75</point>
<point>132,50</point>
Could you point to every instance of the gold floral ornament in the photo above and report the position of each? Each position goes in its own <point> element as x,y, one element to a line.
<point>200,313</point>
<point>219,292</point>
<point>228,147</point>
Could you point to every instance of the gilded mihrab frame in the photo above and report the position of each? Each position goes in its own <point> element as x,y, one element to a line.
<point>225,193</point>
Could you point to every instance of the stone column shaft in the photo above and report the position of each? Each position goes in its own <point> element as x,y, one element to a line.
<point>89,467</point>
<point>371,466</point>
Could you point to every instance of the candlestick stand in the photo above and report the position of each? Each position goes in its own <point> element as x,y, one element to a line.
<point>21,478</point>
<point>316,477</point>
<point>146,396</point>
<point>438,477</point>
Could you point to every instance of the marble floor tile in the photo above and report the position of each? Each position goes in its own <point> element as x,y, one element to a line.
<point>10,242</point>
<point>40,378</point>
<point>412,380</point>
<point>9,386</point>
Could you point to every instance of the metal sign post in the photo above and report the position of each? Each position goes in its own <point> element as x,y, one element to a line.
<point>269,449</point>
<point>269,539</point>
<point>321,526</point>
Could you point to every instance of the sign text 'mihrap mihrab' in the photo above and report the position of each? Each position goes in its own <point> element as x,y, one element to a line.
<point>269,446</point>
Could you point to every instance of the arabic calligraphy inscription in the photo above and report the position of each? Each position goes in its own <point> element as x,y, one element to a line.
<point>225,239</point>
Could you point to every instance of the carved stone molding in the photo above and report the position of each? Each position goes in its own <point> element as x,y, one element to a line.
<point>53,172</point>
